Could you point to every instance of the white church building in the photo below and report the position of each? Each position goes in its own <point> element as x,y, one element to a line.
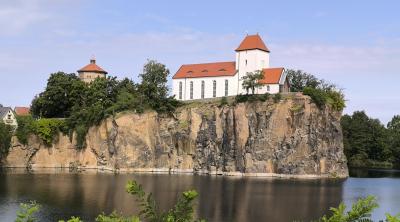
<point>220,79</point>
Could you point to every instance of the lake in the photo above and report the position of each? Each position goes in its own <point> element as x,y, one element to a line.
<point>87,194</point>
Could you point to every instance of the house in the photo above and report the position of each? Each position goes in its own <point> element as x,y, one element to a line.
<point>8,117</point>
<point>220,79</point>
<point>22,111</point>
<point>91,71</point>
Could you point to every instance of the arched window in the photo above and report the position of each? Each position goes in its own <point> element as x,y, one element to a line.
<point>246,62</point>
<point>226,87</point>
<point>214,88</point>
<point>202,89</point>
<point>191,89</point>
<point>268,88</point>
<point>180,90</point>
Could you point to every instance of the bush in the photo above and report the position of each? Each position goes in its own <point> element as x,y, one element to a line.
<point>318,96</point>
<point>277,97</point>
<point>223,102</point>
<point>5,138</point>
<point>48,129</point>
<point>25,128</point>
<point>252,98</point>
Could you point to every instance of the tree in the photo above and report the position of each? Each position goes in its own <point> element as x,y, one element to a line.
<point>394,136</point>
<point>5,139</point>
<point>299,80</point>
<point>62,92</point>
<point>153,83</point>
<point>252,81</point>
<point>365,140</point>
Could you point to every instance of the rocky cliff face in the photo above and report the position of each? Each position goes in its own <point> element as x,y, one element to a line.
<point>289,138</point>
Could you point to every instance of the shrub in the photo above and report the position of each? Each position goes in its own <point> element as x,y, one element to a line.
<point>48,129</point>
<point>223,102</point>
<point>5,138</point>
<point>318,96</point>
<point>81,132</point>
<point>25,128</point>
<point>277,97</point>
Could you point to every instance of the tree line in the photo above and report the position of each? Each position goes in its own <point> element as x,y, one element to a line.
<point>369,143</point>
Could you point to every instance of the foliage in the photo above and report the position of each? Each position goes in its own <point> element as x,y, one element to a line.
<point>360,211</point>
<point>5,138</point>
<point>393,128</point>
<point>27,212</point>
<point>321,92</point>
<point>25,128</point>
<point>114,217</point>
<point>277,97</point>
<point>182,211</point>
<point>252,98</point>
<point>223,102</point>
<point>367,143</point>
<point>73,219</point>
<point>48,129</point>
<point>85,105</point>
<point>251,81</point>
<point>298,80</point>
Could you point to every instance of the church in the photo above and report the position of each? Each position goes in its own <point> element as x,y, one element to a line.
<point>220,79</point>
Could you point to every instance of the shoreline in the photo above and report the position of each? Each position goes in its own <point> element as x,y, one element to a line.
<point>179,171</point>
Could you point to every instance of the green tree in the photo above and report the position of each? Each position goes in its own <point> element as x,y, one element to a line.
<point>251,81</point>
<point>62,92</point>
<point>394,136</point>
<point>365,140</point>
<point>153,85</point>
<point>5,139</point>
<point>299,80</point>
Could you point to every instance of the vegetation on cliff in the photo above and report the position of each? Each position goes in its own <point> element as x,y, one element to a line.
<point>368,143</point>
<point>320,91</point>
<point>5,139</point>
<point>83,105</point>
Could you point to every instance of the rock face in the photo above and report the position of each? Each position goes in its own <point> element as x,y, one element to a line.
<point>288,138</point>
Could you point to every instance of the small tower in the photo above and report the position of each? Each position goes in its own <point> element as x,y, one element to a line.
<point>91,71</point>
<point>251,55</point>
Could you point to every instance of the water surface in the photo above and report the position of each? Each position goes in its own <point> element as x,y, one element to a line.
<point>64,194</point>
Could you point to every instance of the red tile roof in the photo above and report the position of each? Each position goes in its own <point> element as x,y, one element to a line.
<point>92,67</point>
<point>22,111</point>
<point>206,70</point>
<point>252,42</point>
<point>272,75</point>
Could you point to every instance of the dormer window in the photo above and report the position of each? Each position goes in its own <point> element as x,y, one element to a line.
<point>222,70</point>
<point>205,70</point>
<point>190,71</point>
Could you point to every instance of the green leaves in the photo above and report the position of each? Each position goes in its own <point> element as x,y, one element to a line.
<point>5,139</point>
<point>251,81</point>
<point>27,212</point>
<point>360,211</point>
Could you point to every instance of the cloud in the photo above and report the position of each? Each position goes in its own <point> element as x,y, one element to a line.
<point>18,15</point>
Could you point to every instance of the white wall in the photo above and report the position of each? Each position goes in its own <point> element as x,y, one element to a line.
<point>273,89</point>
<point>256,60</point>
<point>90,76</point>
<point>10,121</point>
<point>208,89</point>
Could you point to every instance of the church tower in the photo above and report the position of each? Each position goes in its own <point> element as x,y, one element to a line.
<point>251,55</point>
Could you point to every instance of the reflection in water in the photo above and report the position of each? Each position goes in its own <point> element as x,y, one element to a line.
<point>221,198</point>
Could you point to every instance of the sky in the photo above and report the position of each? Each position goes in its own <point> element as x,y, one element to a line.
<point>354,44</point>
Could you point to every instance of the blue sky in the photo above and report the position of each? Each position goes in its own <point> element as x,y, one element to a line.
<point>355,44</point>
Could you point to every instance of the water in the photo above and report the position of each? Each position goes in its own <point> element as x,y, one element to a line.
<point>63,194</point>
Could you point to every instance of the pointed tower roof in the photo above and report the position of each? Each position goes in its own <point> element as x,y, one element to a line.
<point>252,42</point>
<point>92,67</point>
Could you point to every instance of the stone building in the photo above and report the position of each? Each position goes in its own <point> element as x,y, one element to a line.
<point>91,71</point>
<point>220,79</point>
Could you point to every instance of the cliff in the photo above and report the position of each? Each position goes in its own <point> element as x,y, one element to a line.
<point>292,137</point>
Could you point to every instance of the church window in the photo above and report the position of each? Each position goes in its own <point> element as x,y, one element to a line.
<point>268,88</point>
<point>214,88</point>
<point>246,62</point>
<point>226,87</point>
<point>191,89</point>
<point>180,90</point>
<point>202,89</point>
